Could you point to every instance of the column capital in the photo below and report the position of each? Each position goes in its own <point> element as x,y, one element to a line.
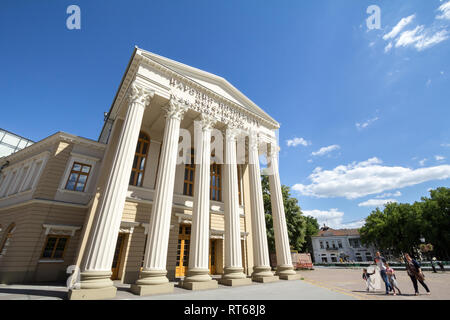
<point>175,109</point>
<point>207,122</point>
<point>231,132</point>
<point>253,140</point>
<point>140,94</point>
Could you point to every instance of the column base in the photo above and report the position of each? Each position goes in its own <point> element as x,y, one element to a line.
<point>203,285</point>
<point>235,282</point>
<point>290,277</point>
<point>265,279</point>
<point>92,294</point>
<point>287,272</point>
<point>146,290</point>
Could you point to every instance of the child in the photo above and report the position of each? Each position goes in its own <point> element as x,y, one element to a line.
<point>366,277</point>
<point>392,279</point>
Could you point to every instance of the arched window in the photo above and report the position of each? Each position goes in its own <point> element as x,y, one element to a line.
<point>7,238</point>
<point>140,159</point>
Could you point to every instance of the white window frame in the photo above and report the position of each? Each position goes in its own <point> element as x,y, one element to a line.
<point>19,183</point>
<point>84,159</point>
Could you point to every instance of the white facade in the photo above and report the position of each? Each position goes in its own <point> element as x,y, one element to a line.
<point>333,245</point>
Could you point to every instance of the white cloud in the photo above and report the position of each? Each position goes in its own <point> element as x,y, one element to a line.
<point>410,37</point>
<point>445,9</point>
<point>399,27</point>
<point>388,47</point>
<point>428,83</point>
<point>310,161</point>
<point>428,41</point>
<point>422,162</point>
<point>332,218</point>
<point>445,145</point>
<point>375,202</point>
<point>363,125</point>
<point>324,150</point>
<point>439,158</point>
<point>297,141</point>
<point>360,179</point>
<point>389,194</point>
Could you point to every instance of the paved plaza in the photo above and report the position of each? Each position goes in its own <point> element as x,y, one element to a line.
<point>318,284</point>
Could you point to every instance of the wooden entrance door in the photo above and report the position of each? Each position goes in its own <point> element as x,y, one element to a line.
<point>118,256</point>
<point>184,238</point>
<point>212,256</point>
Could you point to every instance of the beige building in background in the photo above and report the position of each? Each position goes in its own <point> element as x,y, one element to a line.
<point>125,208</point>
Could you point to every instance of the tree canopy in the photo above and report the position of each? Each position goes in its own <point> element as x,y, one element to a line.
<point>299,227</point>
<point>401,227</point>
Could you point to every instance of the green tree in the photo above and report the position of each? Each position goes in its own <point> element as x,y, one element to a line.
<point>296,222</point>
<point>401,227</point>
<point>312,229</point>
<point>436,221</point>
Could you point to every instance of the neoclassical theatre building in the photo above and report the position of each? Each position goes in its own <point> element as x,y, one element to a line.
<point>126,208</point>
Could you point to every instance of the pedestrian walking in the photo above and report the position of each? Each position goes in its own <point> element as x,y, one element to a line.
<point>392,279</point>
<point>415,273</point>
<point>380,261</point>
<point>433,264</point>
<point>366,276</point>
<point>441,265</point>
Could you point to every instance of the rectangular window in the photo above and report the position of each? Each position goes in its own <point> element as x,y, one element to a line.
<point>339,243</point>
<point>189,173</point>
<point>321,245</point>
<point>78,177</point>
<point>55,246</point>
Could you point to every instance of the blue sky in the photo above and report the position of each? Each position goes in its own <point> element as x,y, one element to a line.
<point>366,111</point>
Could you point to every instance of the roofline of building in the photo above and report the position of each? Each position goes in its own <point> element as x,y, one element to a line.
<point>61,136</point>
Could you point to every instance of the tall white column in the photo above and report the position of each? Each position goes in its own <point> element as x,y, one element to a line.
<point>233,270</point>
<point>285,269</point>
<point>99,253</point>
<point>198,271</point>
<point>261,270</point>
<point>152,278</point>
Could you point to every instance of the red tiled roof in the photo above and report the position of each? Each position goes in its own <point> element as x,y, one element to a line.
<point>338,232</point>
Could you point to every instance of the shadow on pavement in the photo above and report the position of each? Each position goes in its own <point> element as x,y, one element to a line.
<point>38,292</point>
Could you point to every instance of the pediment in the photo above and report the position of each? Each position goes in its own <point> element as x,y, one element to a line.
<point>210,81</point>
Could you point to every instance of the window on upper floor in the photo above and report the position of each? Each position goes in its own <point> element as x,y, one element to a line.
<point>216,182</point>
<point>140,160</point>
<point>7,239</point>
<point>339,243</point>
<point>55,247</point>
<point>321,245</point>
<point>239,184</point>
<point>328,245</point>
<point>78,177</point>
<point>189,172</point>
<point>354,243</point>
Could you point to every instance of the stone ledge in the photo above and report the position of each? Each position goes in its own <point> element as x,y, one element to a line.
<point>145,290</point>
<point>201,285</point>
<point>236,282</point>
<point>266,279</point>
<point>92,294</point>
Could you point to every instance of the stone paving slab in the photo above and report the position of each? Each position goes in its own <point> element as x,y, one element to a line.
<point>280,290</point>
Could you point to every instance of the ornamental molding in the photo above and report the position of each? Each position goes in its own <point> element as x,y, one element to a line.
<point>204,100</point>
<point>141,95</point>
<point>174,109</point>
<point>58,229</point>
